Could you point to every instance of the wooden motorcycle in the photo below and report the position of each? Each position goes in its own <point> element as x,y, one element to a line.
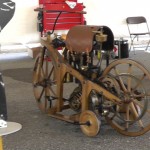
<point>77,85</point>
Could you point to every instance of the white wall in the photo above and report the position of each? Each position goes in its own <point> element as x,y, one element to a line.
<point>22,28</point>
<point>112,13</point>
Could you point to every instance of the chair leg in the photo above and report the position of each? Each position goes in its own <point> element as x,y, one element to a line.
<point>132,46</point>
<point>134,50</point>
<point>147,45</point>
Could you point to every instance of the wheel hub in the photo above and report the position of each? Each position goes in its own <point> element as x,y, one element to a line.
<point>128,98</point>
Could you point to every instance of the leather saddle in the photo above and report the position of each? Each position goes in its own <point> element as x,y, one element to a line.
<point>81,38</point>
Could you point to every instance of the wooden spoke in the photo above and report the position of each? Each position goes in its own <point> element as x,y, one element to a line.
<point>52,90</point>
<point>143,77</point>
<point>138,84</point>
<point>42,72</point>
<point>116,71</point>
<point>129,84</point>
<point>127,116</point>
<point>120,79</point>
<point>41,93</point>
<point>122,84</point>
<point>129,69</point>
<point>50,74</point>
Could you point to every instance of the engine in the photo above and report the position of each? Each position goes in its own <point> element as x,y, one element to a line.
<point>83,51</point>
<point>97,102</point>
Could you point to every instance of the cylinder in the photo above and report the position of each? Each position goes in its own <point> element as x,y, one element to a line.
<point>121,49</point>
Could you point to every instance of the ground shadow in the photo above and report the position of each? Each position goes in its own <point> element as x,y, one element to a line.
<point>20,74</point>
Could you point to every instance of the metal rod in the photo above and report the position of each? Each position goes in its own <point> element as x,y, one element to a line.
<point>84,123</point>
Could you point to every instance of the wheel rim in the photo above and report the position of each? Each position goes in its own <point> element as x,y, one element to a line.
<point>44,86</point>
<point>90,123</point>
<point>136,108</point>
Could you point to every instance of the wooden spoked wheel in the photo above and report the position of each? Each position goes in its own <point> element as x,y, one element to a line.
<point>132,118</point>
<point>89,123</point>
<point>44,82</point>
